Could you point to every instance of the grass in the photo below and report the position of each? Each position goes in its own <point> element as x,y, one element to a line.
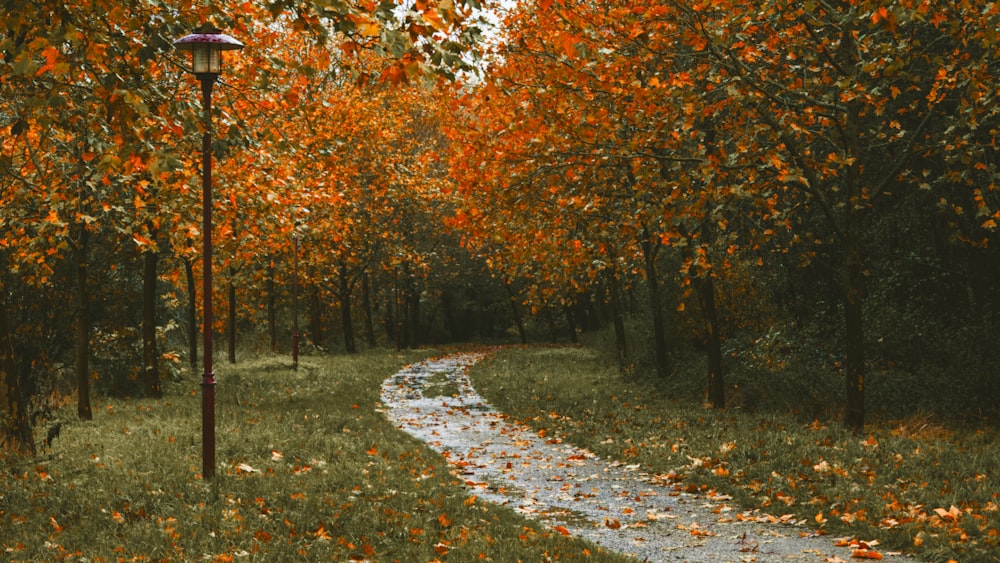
<point>308,470</point>
<point>914,485</point>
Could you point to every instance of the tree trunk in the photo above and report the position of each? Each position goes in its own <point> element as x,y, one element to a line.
<point>571,324</point>
<point>649,251</point>
<point>192,314</point>
<point>315,317</point>
<point>272,323</point>
<point>618,320</point>
<point>395,314</point>
<point>413,312</point>
<point>854,409</point>
<point>150,358</point>
<point>83,409</point>
<point>347,323</point>
<point>515,309</point>
<point>705,286</point>
<point>231,329</point>
<point>366,303</point>
<point>12,392</point>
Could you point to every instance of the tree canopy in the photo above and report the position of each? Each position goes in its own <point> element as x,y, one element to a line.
<point>724,176</point>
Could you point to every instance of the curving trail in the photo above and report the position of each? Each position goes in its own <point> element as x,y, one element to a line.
<point>613,505</point>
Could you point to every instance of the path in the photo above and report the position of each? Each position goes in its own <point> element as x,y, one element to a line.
<point>614,505</point>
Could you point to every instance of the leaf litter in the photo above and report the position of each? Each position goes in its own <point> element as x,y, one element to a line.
<point>617,506</point>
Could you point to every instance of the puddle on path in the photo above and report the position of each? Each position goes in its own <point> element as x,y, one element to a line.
<point>613,505</point>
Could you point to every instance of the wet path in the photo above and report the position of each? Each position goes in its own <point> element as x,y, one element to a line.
<point>572,490</point>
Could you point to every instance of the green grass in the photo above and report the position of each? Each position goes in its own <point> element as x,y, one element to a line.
<point>308,470</point>
<point>896,484</point>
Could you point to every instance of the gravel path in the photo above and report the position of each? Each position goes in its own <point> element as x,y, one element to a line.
<point>572,490</point>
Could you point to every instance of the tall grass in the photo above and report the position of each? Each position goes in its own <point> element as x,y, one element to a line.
<point>913,485</point>
<point>308,470</point>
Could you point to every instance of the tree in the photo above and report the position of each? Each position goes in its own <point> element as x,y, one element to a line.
<point>838,103</point>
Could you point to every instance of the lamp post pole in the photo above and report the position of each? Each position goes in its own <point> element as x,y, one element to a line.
<point>295,294</point>
<point>208,377</point>
<point>206,48</point>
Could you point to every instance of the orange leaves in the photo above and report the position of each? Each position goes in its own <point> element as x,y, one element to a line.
<point>51,55</point>
<point>951,515</point>
<point>568,44</point>
<point>321,534</point>
<point>860,549</point>
<point>880,14</point>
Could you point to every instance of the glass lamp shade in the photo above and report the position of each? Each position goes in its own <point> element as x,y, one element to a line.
<point>206,49</point>
<point>206,59</point>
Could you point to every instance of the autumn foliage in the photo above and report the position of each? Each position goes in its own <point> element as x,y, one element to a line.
<point>786,188</point>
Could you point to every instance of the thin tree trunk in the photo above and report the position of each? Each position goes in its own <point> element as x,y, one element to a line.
<point>413,312</point>
<point>347,323</point>
<point>231,329</point>
<point>617,321</point>
<point>571,324</point>
<point>315,317</point>
<point>150,358</point>
<point>705,286</point>
<point>272,323</point>
<point>649,251</point>
<point>366,302</point>
<point>83,409</point>
<point>854,411</point>
<point>192,314</point>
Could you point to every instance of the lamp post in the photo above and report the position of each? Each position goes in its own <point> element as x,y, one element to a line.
<point>206,48</point>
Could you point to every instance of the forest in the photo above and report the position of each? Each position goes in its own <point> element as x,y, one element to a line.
<point>798,199</point>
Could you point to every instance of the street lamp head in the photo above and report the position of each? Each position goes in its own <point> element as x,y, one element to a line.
<point>206,48</point>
